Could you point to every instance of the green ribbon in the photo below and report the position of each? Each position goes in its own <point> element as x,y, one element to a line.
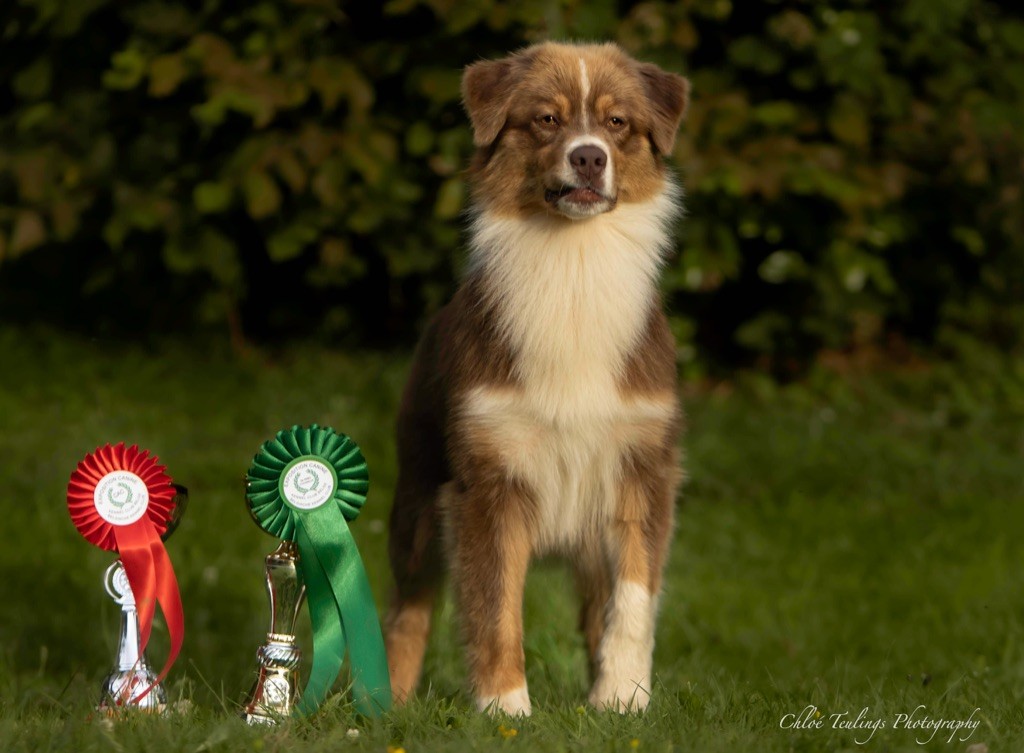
<point>292,497</point>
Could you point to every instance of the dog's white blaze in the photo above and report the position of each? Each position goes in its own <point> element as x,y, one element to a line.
<point>585,89</point>
<point>567,173</point>
<point>515,702</point>
<point>624,656</point>
<point>572,300</point>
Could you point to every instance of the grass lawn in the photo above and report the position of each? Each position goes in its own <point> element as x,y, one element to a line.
<point>848,543</point>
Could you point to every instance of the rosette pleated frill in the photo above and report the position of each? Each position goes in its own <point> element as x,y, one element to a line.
<point>307,485</point>
<point>121,500</point>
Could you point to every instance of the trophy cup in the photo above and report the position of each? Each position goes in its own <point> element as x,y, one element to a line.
<point>275,692</point>
<point>132,674</point>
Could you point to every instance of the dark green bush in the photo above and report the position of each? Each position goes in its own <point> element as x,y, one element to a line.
<point>853,171</point>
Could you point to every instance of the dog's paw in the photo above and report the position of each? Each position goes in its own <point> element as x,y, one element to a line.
<point>514,702</point>
<point>620,694</point>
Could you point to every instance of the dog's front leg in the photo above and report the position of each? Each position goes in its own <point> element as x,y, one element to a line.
<point>636,546</point>
<point>487,521</point>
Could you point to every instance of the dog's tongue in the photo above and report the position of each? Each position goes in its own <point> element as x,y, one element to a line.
<point>584,195</point>
<point>580,195</point>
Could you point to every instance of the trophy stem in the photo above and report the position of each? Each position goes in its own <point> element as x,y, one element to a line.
<point>128,649</point>
<point>275,692</point>
<point>132,675</point>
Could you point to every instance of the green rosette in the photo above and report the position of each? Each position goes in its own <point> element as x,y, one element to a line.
<point>306,485</point>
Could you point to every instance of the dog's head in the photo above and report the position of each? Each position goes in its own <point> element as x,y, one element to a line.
<point>570,129</point>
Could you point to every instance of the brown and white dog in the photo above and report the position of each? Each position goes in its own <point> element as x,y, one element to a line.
<point>541,414</point>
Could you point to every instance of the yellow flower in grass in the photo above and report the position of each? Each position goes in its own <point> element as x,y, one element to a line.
<point>396,749</point>
<point>507,732</point>
<point>634,743</point>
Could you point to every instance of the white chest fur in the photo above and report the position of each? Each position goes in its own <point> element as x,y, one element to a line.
<point>572,300</point>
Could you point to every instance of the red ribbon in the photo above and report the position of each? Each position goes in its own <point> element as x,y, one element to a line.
<point>149,570</point>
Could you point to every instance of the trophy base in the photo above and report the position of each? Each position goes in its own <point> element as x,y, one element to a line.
<point>272,697</point>
<point>121,688</point>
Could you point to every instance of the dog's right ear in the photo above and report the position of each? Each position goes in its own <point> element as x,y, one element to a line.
<point>486,94</point>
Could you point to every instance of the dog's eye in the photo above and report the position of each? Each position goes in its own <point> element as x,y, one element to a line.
<point>616,122</point>
<point>548,120</point>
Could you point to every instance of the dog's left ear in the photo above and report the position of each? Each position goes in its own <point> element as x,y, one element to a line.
<point>669,94</point>
<point>485,93</point>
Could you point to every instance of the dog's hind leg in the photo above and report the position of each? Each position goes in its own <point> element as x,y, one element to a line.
<point>414,548</point>
<point>407,629</point>
<point>417,567</point>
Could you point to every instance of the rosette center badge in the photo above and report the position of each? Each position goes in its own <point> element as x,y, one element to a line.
<point>307,483</point>
<point>121,498</point>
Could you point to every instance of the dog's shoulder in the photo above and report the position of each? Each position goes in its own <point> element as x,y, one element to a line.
<point>463,345</point>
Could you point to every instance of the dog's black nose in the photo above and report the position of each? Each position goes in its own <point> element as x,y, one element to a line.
<point>588,161</point>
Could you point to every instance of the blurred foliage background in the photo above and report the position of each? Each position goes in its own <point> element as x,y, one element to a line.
<point>282,169</point>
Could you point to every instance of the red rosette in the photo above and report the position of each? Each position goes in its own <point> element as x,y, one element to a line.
<point>121,500</point>
<point>98,464</point>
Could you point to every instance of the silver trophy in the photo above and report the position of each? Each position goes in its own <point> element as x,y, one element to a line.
<point>132,675</point>
<point>275,692</point>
